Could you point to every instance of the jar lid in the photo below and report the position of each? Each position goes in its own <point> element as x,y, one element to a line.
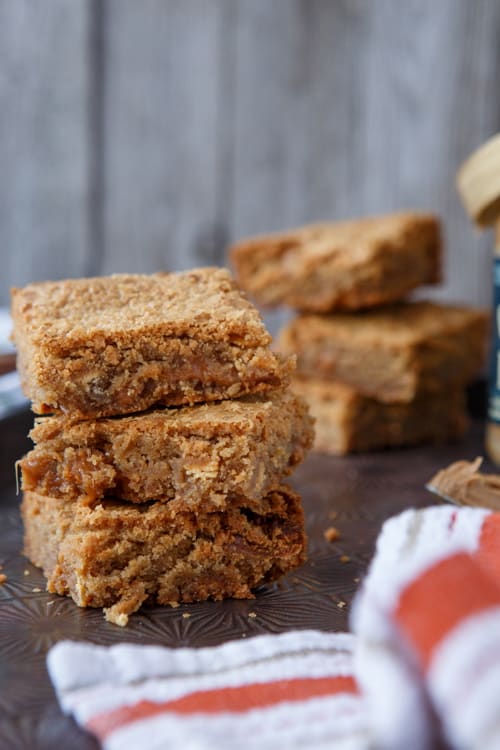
<point>478,182</point>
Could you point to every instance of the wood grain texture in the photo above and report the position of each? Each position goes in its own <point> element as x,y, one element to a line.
<point>44,155</point>
<point>297,126</point>
<point>141,136</point>
<point>355,108</point>
<point>161,88</point>
<point>430,101</point>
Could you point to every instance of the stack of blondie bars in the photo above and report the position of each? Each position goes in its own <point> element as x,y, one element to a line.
<point>376,369</point>
<point>158,474</point>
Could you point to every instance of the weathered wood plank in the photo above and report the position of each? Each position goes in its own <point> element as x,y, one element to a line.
<point>161,89</point>
<point>44,149</point>
<point>211,120</point>
<point>296,156</point>
<point>429,100</point>
<point>351,108</point>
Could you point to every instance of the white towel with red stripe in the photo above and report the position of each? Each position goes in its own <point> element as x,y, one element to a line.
<point>424,660</point>
<point>427,621</point>
<point>294,690</point>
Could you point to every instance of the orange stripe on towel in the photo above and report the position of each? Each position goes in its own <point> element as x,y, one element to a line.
<point>488,553</point>
<point>441,598</point>
<point>222,700</point>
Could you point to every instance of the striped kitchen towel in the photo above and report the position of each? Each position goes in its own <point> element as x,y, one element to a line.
<point>294,690</point>
<point>424,661</point>
<point>427,620</point>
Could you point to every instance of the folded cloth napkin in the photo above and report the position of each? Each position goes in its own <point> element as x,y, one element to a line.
<point>425,654</point>
<point>427,621</point>
<point>294,690</point>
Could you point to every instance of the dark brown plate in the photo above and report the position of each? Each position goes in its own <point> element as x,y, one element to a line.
<point>360,491</point>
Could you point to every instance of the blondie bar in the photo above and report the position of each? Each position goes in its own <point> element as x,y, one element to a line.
<point>119,555</point>
<point>391,353</point>
<point>346,265</point>
<point>200,455</point>
<point>120,344</point>
<point>347,422</point>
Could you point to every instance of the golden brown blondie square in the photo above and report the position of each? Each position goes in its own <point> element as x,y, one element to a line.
<point>199,455</point>
<point>347,422</point>
<point>391,353</point>
<point>120,344</point>
<point>119,555</point>
<point>344,265</point>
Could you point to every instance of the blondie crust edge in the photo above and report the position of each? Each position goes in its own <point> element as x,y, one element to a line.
<point>347,422</point>
<point>392,353</point>
<point>121,344</point>
<point>118,555</point>
<point>197,456</point>
<point>345,265</point>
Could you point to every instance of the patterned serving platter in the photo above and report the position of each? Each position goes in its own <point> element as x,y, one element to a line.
<point>354,494</point>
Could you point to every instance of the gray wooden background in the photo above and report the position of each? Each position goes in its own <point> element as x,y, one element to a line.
<point>138,135</point>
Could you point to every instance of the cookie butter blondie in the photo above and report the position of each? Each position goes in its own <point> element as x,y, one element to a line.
<point>345,265</point>
<point>347,422</point>
<point>119,344</point>
<point>118,555</point>
<point>391,353</point>
<point>200,454</point>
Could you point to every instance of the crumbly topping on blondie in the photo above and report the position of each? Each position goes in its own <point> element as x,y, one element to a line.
<point>204,303</point>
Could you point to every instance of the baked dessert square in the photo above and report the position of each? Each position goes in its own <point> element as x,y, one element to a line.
<point>199,455</point>
<point>119,555</point>
<point>119,344</point>
<point>346,265</point>
<point>347,422</point>
<point>391,353</point>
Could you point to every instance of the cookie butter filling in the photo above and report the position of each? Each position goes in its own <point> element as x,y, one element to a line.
<point>158,475</point>
<point>191,373</point>
<point>118,556</point>
<point>200,454</point>
<point>124,343</point>
<point>59,478</point>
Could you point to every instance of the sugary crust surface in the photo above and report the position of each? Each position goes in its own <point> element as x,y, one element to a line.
<point>198,456</point>
<point>122,344</point>
<point>345,265</point>
<point>119,555</point>
<point>394,352</point>
<point>203,303</point>
<point>347,422</point>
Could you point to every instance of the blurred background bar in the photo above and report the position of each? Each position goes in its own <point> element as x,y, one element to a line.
<point>139,136</point>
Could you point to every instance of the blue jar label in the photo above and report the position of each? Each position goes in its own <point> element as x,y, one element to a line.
<point>494,380</point>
